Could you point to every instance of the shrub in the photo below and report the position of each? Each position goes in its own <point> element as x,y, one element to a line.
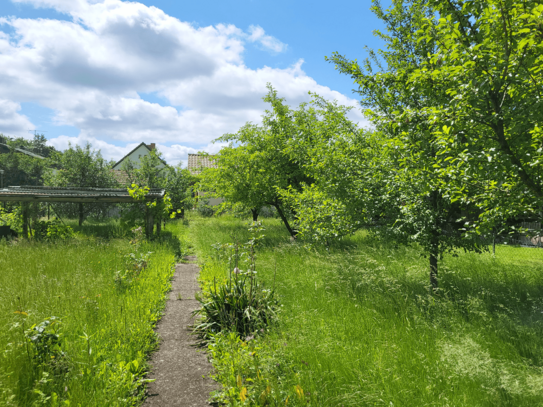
<point>241,305</point>
<point>205,209</point>
<point>52,230</point>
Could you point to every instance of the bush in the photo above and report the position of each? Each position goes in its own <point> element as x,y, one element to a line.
<point>205,209</point>
<point>241,305</point>
<point>52,230</point>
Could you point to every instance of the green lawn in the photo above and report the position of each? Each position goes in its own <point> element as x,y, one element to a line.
<point>104,320</point>
<point>359,327</point>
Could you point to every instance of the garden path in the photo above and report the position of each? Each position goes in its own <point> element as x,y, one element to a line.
<point>178,366</point>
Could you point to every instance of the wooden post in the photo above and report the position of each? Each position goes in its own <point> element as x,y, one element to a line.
<point>81,217</point>
<point>147,222</point>
<point>151,224</point>
<point>24,207</point>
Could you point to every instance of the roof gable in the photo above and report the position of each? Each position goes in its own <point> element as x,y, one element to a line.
<point>117,165</point>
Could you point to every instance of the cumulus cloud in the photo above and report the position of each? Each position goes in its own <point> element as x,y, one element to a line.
<point>257,34</point>
<point>92,69</point>
<point>11,121</point>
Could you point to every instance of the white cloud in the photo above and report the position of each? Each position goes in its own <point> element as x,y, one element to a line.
<point>91,70</point>
<point>257,34</point>
<point>12,123</point>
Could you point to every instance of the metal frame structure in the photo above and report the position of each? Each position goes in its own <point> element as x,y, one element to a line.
<point>27,194</point>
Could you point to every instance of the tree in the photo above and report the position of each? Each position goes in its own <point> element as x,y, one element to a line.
<point>84,168</point>
<point>487,62</point>
<point>403,111</point>
<point>22,169</point>
<point>178,183</point>
<point>257,161</point>
<point>148,172</point>
<point>238,177</point>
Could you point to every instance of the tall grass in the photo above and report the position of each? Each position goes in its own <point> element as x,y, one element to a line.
<point>104,324</point>
<point>359,326</point>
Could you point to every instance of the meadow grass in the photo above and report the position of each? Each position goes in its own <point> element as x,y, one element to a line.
<point>105,316</point>
<point>360,327</point>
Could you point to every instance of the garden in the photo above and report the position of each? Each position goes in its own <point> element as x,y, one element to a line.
<point>357,324</point>
<point>78,315</point>
<point>396,264</point>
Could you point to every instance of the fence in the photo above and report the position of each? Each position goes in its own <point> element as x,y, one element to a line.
<point>530,235</point>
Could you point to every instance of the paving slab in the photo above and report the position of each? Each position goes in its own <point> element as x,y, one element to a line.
<point>181,370</point>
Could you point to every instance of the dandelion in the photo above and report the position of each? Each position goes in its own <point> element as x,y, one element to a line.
<point>237,271</point>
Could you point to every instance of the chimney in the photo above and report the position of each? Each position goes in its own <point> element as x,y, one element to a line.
<point>151,146</point>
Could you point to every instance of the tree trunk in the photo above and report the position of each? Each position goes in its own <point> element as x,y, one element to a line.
<point>183,213</point>
<point>81,214</point>
<point>433,270</point>
<point>25,219</point>
<point>151,224</point>
<point>292,232</point>
<point>147,219</point>
<point>434,242</point>
<point>255,214</point>
<point>159,227</point>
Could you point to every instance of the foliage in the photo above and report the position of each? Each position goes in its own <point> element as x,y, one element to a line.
<point>256,165</point>
<point>46,340</point>
<point>38,145</point>
<point>447,93</point>
<point>159,210</point>
<point>148,172</point>
<point>12,219</point>
<point>178,184</point>
<point>84,168</point>
<point>22,169</point>
<point>241,304</point>
<point>204,208</point>
<point>52,230</point>
<point>250,373</point>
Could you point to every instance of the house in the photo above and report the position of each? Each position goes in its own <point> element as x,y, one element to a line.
<point>135,157</point>
<point>198,162</point>
<point>195,165</point>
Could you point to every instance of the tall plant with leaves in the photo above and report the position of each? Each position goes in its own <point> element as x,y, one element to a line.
<point>256,165</point>
<point>81,167</point>
<point>400,110</point>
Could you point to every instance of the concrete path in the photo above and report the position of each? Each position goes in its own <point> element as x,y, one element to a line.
<point>177,366</point>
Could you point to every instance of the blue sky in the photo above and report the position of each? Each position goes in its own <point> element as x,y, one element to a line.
<point>176,73</point>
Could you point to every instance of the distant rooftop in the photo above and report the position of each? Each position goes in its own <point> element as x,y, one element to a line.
<point>198,162</point>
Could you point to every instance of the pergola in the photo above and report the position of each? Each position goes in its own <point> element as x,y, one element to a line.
<point>26,194</point>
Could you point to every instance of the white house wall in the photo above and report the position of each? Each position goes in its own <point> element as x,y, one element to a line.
<point>135,158</point>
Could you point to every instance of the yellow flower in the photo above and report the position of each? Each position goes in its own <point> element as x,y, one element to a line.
<point>299,391</point>
<point>243,394</point>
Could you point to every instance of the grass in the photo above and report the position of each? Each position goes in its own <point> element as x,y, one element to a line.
<point>103,323</point>
<point>359,326</point>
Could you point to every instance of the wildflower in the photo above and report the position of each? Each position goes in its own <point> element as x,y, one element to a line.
<point>237,271</point>
<point>249,338</point>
